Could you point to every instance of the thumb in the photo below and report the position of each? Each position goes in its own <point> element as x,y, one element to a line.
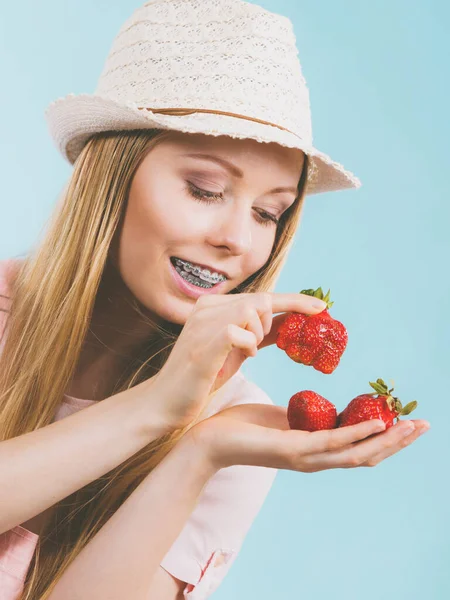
<point>271,337</point>
<point>231,365</point>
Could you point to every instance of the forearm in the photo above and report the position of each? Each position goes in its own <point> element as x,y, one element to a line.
<point>122,559</point>
<point>44,466</point>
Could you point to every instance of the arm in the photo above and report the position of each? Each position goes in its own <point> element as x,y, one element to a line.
<point>165,586</point>
<point>122,560</point>
<point>44,466</point>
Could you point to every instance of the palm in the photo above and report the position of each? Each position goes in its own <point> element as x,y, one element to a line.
<point>263,415</point>
<point>245,434</point>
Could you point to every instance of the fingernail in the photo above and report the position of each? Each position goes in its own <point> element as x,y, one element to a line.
<point>319,304</point>
<point>424,429</point>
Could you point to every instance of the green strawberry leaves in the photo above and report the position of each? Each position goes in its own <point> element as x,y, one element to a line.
<point>380,387</point>
<point>319,294</point>
<point>409,408</point>
<point>394,403</point>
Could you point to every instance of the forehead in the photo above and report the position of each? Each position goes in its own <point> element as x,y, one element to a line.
<point>242,152</point>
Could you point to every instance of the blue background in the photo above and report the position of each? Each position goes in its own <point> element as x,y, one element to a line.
<point>378,81</point>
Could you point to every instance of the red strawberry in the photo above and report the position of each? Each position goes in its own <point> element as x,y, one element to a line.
<point>310,412</point>
<point>365,407</point>
<point>315,340</point>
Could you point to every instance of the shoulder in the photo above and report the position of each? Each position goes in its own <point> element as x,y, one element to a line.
<point>4,276</point>
<point>251,392</point>
<point>237,390</point>
<point>8,268</point>
<point>5,268</point>
<point>246,391</point>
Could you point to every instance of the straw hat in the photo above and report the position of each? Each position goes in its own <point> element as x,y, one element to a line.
<point>218,67</point>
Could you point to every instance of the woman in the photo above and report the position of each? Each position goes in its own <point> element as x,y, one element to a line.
<point>151,287</point>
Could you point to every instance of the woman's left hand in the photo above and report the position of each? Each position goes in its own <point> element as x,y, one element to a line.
<point>259,435</point>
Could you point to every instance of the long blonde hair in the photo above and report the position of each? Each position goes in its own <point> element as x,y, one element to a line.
<point>51,303</point>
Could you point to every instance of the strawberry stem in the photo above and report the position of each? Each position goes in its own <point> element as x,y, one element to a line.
<point>319,294</point>
<point>394,403</point>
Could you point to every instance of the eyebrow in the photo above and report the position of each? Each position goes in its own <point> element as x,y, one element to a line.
<point>234,170</point>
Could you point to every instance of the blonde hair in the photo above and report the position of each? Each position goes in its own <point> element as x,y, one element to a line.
<point>51,304</point>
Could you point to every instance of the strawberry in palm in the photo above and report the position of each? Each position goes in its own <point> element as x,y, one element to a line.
<point>309,411</point>
<point>315,340</point>
<point>365,407</point>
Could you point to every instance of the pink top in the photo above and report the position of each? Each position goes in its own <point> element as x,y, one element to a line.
<point>209,542</point>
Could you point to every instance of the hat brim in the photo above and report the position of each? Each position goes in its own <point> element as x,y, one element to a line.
<point>72,120</point>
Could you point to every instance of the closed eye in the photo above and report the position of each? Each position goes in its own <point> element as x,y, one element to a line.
<point>263,217</point>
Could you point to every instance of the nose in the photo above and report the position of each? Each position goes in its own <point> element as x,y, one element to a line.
<point>233,230</point>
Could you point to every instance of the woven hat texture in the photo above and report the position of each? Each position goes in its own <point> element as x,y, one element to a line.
<point>218,67</point>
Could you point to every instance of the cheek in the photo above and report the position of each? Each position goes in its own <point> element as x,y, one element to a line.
<point>257,257</point>
<point>151,209</point>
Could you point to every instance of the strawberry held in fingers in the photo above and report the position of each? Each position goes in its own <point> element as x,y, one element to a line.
<point>315,340</point>
<point>366,406</point>
<point>309,411</point>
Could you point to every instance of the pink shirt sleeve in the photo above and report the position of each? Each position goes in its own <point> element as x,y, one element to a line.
<point>16,551</point>
<point>229,503</point>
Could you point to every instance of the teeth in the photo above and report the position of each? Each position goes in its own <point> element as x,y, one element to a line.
<point>192,280</point>
<point>205,275</point>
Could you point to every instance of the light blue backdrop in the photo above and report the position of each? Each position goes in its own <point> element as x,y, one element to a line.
<point>378,80</point>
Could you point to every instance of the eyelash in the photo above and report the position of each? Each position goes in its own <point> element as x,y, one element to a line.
<point>209,197</point>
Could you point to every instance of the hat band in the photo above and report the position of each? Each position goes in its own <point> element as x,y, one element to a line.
<point>189,111</point>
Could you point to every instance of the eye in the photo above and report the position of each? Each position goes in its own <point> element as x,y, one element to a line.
<point>263,217</point>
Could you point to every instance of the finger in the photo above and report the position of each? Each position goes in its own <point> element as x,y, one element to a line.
<point>420,428</point>
<point>301,303</point>
<point>277,321</point>
<point>329,440</point>
<point>237,337</point>
<point>251,311</point>
<point>208,359</point>
<point>285,303</point>
<point>265,313</point>
<point>251,322</point>
<point>362,452</point>
<point>237,441</point>
<point>214,302</point>
<point>266,320</point>
<point>279,302</point>
<point>271,337</point>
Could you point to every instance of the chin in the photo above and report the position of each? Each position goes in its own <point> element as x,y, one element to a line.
<point>175,310</point>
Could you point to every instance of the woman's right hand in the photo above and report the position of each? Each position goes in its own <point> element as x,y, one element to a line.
<point>219,334</point>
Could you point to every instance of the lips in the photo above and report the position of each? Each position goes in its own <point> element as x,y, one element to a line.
<point>191,290</point>
<point>210,269</point>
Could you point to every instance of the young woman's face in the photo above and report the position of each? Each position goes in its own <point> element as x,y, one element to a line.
<point>166,217</point>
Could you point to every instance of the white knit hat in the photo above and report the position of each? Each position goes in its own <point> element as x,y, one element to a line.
<point>218,67</point>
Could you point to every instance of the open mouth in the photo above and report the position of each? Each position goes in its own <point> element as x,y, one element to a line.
<point>185,272</point>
